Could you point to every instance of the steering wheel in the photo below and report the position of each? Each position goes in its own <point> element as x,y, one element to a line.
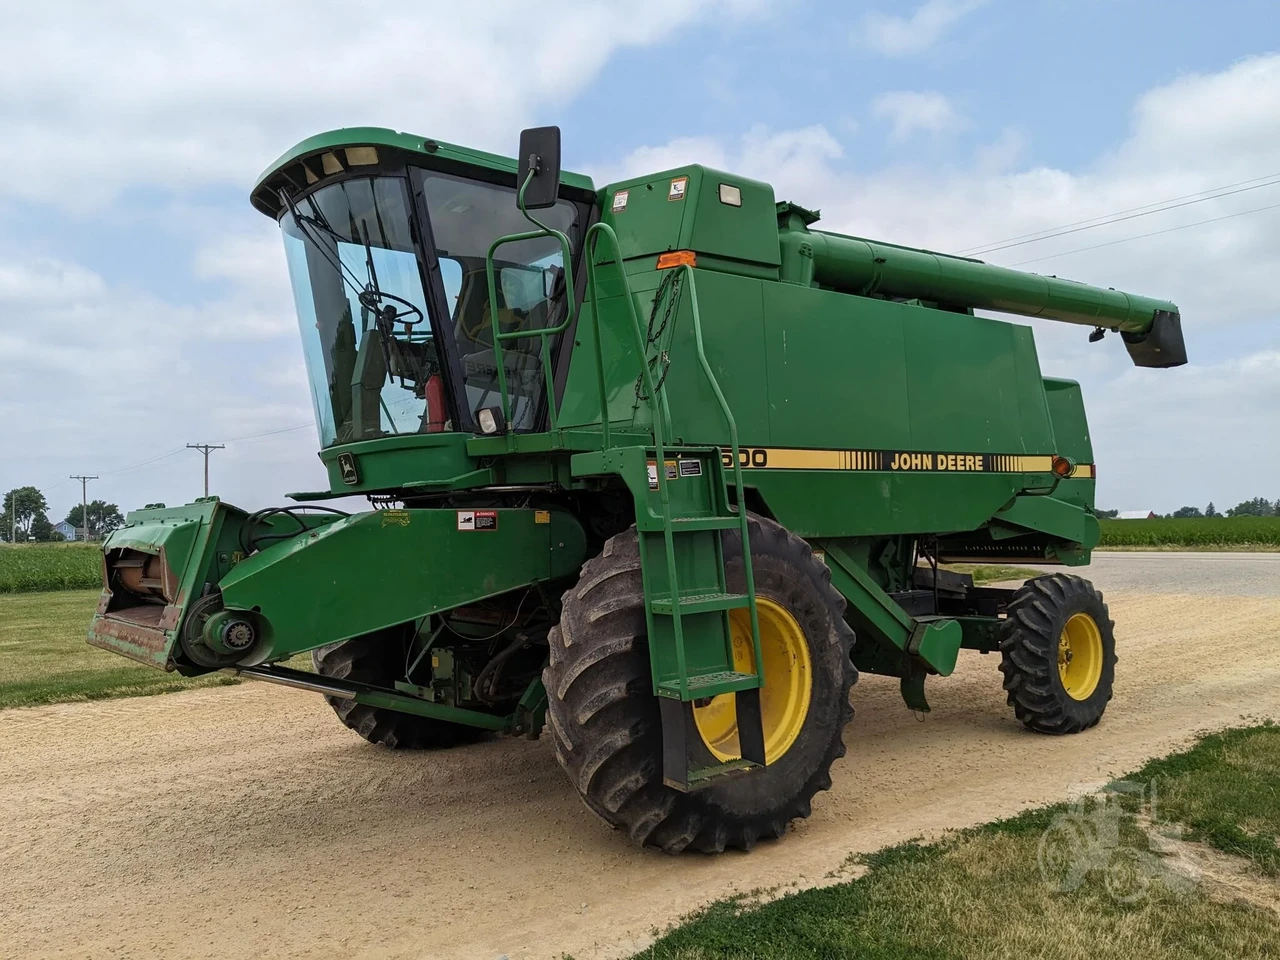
<point>372,298</point>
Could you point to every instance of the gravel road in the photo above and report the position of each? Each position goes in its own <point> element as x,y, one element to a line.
<point>1208,574</point>
<point>246,822</point>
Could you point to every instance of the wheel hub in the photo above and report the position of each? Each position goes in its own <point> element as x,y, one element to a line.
<point>784,698</point>
<point>1080,656</point>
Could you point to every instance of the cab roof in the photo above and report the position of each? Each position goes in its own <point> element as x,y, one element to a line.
<point>338,151</point>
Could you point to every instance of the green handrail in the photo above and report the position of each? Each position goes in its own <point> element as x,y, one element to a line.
<point>652,397</point>
<point>594,232</point>
<point>747,573</point>
<point>499,337</point>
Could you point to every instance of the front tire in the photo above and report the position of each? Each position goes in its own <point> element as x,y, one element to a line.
<point>604,718</point>
<point>1058,654</point>
<point>378,659</point>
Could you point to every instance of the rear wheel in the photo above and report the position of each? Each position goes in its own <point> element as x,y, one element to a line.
<point>604,718</point>
<point>1058,654</point>
<point>378,658</point>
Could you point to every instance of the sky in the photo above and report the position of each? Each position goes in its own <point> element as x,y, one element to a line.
<point>144,304</point>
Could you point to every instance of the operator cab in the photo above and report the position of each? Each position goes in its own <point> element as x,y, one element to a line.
<point>386,251</point>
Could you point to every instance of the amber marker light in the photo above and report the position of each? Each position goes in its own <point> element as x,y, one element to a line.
<point>677,258</point>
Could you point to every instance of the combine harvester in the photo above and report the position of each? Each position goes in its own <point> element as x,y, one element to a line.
<point>657,466</point>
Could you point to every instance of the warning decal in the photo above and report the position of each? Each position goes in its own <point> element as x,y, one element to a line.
<point>672,472</point>
<point>470,520</point>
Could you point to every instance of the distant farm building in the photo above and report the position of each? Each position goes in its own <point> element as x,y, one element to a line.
<point>1136,515</point>
<point>67,530</point>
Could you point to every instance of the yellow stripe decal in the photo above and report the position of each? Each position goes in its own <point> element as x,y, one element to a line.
<point>899,461</point>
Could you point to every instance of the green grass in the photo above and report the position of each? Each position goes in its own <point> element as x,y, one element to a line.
<point>993,572</point>
<point>44,657</point>
<point>979,893</point>
<point>30,567</point>
<point>1227,792</point>
<point>1193,533</point>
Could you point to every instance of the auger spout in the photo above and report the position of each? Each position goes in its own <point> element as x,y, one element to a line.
<point>1151,328</point>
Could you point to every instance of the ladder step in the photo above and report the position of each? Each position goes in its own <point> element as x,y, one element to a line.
<point>710,684</point>
<point>700,603</point>
<point>699,776</point>
<point>694,524</point>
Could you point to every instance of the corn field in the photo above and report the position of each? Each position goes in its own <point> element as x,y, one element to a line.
<point>49,566</point>
<point>1193,532</point>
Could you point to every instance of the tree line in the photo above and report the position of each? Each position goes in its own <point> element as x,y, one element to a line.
<point>1257,507</point>
<point>25,517</point>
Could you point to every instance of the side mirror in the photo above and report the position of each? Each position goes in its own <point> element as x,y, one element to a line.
<point>540,152</point>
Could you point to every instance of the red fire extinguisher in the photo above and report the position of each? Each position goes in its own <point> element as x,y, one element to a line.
<point>434,393</point>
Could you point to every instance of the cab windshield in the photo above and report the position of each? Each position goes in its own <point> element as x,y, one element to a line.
<point>382,358</point>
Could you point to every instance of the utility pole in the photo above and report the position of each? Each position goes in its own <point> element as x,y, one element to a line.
<point>205,448</point>
<point>84,501</point>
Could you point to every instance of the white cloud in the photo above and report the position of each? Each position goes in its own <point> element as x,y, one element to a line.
<point>100,376</point>
<point>1002,153</point>
<point>1163,437</point>
<point>101,97</point>
<point>760,152</point>
<point>895,36</point>
<point>916,111</point>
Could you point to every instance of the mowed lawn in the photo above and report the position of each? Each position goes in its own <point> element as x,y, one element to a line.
<point>981,894</point>
<point>44,657</point>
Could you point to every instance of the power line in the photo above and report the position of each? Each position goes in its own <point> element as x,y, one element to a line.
<point>173,453</point>
<point>143,463</point>
<point>1119,217</point>
<point>1143,236</point>
<point>270,433</point>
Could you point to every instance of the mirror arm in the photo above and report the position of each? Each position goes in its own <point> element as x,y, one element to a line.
<point>533,171</point>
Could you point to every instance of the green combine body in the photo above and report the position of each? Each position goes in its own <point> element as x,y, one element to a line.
<point>657,467</point>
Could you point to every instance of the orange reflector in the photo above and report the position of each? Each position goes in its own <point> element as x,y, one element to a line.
<point>1062,466</point>
<point>677,258</point>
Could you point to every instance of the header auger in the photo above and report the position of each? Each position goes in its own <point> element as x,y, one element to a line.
<point>655,467</point>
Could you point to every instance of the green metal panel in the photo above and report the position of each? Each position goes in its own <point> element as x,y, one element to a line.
<point>733,331</point>
<point>1053,516</point>
<point>1071,437</point>
<point>428,461</point>
<point>1034,421</point>
<point>835,371</point>
<point>655,217</point>
<point>374,570</point>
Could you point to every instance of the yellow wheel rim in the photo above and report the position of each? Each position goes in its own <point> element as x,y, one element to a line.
<point>1080,656</point>
<point>788,684</point>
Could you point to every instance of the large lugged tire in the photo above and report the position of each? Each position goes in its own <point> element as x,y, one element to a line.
<point>1058,654</point>
<point>604,718</point>
<point>378,659</point>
